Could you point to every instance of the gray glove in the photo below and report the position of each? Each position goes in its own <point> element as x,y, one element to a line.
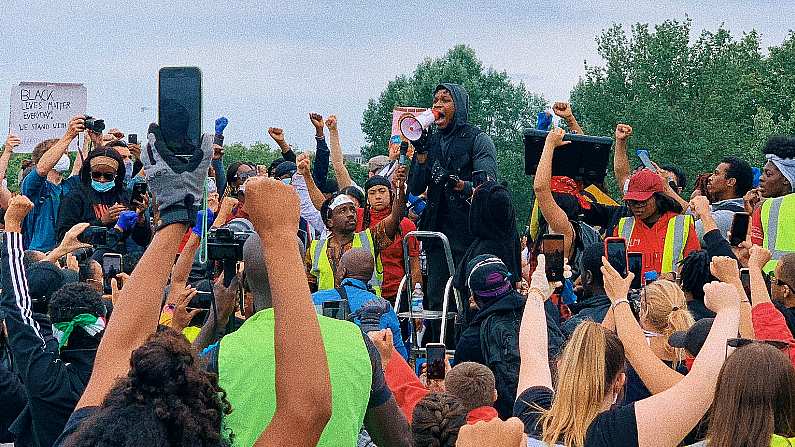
<point>370,314</point>
<point>176,182</point>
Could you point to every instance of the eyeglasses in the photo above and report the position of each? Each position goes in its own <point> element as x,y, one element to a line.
<point>781,345</point>
<point>107,176</point>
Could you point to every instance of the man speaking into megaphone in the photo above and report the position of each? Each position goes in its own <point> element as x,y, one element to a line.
<point>444,161</point>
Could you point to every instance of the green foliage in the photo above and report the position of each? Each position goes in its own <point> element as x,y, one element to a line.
<point>500,107</point>
<point>258,153</point>
<point>689,104</point>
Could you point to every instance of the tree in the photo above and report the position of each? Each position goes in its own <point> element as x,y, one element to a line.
<point>498,106</point>
<point>690,104</point>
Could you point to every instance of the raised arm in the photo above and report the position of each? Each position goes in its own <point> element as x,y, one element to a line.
<point>278,136</point>
<point>533,351</point>
<point>554,215</point>
<point>652,371</point>
<point>136,313</point>
<point>391,224</point>
<point>693,395</point>
<point>337,160</point>
<point>621,168</point>
<point>322,154</point>
<point>563,110</point>
<point>316,197</point>
<point>24,336</point>
<point>303,386</point>
<point>53,154</point>
<point>8,149</point>
<point>726,270</point>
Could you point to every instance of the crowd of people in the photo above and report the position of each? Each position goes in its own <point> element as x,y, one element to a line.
<point>150,298</point>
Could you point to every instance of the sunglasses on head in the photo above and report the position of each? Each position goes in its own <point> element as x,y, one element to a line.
<point>107,176</point>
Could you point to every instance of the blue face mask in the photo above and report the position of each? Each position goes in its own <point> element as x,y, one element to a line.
<point>287,180</point>
<point>102,187</point>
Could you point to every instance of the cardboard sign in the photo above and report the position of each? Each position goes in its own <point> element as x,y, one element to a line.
<point>42,110</point>
<point>399,112</point>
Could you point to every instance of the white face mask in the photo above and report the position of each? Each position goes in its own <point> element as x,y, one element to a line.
<point>63,164</point>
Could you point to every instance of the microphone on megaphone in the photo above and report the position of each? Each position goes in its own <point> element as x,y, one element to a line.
<point>411,127</point>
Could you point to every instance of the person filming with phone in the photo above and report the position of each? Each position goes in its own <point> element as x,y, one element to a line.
<point>102,200</point>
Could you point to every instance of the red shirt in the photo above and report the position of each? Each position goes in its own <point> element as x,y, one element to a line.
<point>392,257</point>
<point>651,241</point>
<point>769,324</point>
<point>757,232</point>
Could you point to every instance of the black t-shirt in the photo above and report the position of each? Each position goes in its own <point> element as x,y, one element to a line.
<point>605,216</point>
<point>613,428</point>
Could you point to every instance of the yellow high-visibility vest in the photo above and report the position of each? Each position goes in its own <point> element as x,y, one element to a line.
<point>321,265</point>
<point>778,222</point>
<point>675,238</point>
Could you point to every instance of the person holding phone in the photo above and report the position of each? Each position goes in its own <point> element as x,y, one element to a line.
<point>727,185</point>
<point>101,199</point>
<point>491,337</point>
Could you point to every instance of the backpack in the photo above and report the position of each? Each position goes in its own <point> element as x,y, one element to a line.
<point>499,343</point>
<point>586,236</point>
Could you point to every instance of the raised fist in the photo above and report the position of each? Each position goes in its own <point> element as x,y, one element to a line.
<point>623,132</point>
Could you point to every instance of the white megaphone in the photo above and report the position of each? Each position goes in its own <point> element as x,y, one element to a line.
<point>412,126</point>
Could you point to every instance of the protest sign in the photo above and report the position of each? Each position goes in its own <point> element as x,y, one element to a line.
<point>41,110</point>
<point>400,112</point>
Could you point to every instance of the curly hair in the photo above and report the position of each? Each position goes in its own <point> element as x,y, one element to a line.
<point>436,421</point>
<point>782,146</point>
<point>167,399</point>
<point>74,299</point>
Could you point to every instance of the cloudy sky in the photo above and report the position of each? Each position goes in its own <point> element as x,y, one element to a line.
<point>268,64</point>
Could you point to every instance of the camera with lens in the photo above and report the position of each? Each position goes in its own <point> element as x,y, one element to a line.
<point>226,243</point>
<point>99,237</point>
<point>93,124</point>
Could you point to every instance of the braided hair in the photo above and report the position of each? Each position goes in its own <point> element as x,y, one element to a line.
<point>437,419</point>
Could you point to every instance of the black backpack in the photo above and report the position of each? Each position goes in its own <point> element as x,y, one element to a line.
<point>499,343</point>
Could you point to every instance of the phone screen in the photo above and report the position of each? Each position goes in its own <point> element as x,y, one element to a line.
<point>739,230</point>
<point>132,138</point>
<point>138,192</point>
<point>745,279</point>
<point>436,357</point>
<point>111,266</point>
<point>180,108</point>
<point>552,247</point>
<point>616,254</point>
<point>635,261</point>
<point>643,154</point>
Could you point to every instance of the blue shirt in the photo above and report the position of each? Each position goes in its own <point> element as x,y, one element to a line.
<point>39,225</point>
<point>357,296</point>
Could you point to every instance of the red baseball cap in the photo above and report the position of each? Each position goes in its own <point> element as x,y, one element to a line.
<point>642,185</point>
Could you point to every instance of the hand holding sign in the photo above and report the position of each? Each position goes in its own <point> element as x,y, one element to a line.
<point>11,142</point>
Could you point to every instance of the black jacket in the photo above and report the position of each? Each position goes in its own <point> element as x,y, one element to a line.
<point>468,347</point>
<point>78,206</point>
<point>53,384</point>
<point>460,149</point>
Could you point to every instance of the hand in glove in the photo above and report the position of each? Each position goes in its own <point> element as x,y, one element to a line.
<point>197,229</point>
<point>176,182</point>
<point>370,314</point>
<point>439,175</point>
<point>127,220</point>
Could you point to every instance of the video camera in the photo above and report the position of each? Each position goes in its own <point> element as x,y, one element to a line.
<point>93,124</point>
<point>226,243</point>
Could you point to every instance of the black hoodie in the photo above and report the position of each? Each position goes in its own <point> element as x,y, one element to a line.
<point>460,149</point>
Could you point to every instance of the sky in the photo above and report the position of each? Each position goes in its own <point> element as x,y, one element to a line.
<point>267,64</point>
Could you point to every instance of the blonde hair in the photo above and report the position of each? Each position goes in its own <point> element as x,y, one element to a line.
<point>589,365</point>
<point>666,311</point>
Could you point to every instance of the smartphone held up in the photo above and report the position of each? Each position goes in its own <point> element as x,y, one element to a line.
<point>179,108</point>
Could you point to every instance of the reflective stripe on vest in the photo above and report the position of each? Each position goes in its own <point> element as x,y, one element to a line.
<point>321,266</point>
<point>676,235</point>
<point>778,217</point>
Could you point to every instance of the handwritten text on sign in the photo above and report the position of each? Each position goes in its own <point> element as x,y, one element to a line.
<point>40,111</point>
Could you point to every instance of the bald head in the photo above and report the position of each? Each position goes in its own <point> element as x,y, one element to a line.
<point>357,263</point>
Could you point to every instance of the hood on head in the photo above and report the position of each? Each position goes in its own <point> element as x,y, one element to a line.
<point>492,215</point>
<point>460,99</point>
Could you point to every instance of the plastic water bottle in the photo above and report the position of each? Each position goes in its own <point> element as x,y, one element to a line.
<point>416,299</point>
<point>423,262</point>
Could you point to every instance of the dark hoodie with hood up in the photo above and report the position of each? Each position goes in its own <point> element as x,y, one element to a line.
<point>460,149</point>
